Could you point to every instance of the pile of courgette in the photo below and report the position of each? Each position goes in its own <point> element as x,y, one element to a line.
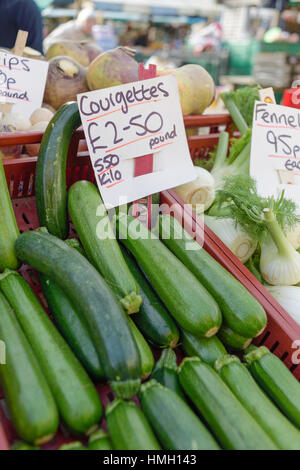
<point>116,299</point>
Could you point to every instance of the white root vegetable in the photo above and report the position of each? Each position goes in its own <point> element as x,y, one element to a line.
<point>200,192</point>
<point>234,237</point>
<point>289,298</point>
<point>279,261</point>
<point>280,266</point>
<point>41,115</point>
<point>17,120</point>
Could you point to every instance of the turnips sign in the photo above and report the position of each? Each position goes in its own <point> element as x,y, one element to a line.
<point>22,82</point>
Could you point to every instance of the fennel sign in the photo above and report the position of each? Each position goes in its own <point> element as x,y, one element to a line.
<point>275,150</point>
<point>22,82</point>
<point>125,122</point>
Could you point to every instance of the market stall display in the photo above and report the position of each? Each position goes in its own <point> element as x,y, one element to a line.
<point>199,345</point>
<point>133,332</point>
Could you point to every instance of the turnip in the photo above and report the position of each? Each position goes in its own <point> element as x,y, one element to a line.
<point>66,79</point>
<point>196,88</point>
<point>113,67</point>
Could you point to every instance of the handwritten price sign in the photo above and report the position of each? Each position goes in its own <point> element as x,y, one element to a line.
<point>129,121</point>
<point>275,150</point>
<point>22,82</point>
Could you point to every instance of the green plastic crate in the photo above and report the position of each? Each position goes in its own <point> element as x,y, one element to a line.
<point>288,48</point>
<point>241,56</point>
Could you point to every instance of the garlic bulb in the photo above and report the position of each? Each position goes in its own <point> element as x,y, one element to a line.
<point>289,298</point>
<point>234,237</point>
<point>200,192</point>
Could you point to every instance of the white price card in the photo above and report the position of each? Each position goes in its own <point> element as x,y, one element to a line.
<point>129,121</point>
<point>22,82</point>
<point>275,150</point>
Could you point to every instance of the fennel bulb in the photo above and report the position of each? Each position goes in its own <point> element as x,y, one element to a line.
<point>233,236</point>
<point>200,192</point>
<point>279,261</point>
<point>289,298</point>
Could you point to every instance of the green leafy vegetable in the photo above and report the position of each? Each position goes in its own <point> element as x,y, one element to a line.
<point>247,207</point>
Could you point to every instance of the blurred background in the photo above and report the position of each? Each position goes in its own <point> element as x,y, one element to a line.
<point>239,42</point>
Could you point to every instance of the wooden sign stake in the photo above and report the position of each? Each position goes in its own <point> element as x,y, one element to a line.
<point>18,49</point>
<point>141,209</point>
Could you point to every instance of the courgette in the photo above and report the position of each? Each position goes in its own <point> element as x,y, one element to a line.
<point>186,299</point>
<point>9,231</point>
<point>165,372</point>
<point>230,422</point>
<point>75,445</point>
<point>242,312</point>
<point>106,320</point>
<point>75,395</point>
<point>32,407</point>
<point>276,380</point>
<point>128,427</point>
<point>50,180</point>
<point>153,318</point>
<point>100,440</point>
<point>146,356</point>
<point>244,387</point>
<point>20,445</point>
<point>232,339</point>
<point>72,326</point>
<point>175,424</point>
<point>95,232</point>
<point>208,349</point>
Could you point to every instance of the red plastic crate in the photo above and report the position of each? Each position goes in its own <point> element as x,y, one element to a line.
<point>281,330</point>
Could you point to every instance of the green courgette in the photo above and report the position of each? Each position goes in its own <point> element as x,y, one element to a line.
<point>276,380</point>
<point>100,440</point>
<point>72,326</point>
<point>75,395</point>
<point>240,309</point>
<point>174,423</point>
<point>186,299</point>
<point>232,339</point>
<point>9,231</point>
<point>146,356</point>
<point>129,428</point>
<point>95,232</point>
<point>208,349</point>
<point>32,407</point>
<point>75,445</point>
<point>106,320</point>
<point>166,372</point>
<point>20,445</point>
<point>230,422</point>
<point>153,318</point>
<point>50,180</point>
<point>263,410</point>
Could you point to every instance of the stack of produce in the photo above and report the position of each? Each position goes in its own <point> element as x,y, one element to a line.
<point>261,232</point>
<point>115,297</point>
